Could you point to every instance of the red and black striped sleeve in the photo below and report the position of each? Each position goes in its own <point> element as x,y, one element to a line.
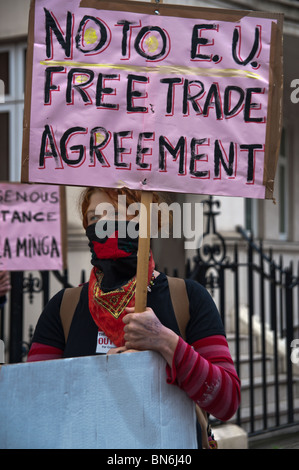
<point>205,371</point>
<point>48,339</point>
<point>43,352</point>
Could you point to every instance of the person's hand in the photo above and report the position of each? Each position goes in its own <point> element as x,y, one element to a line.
<point>4,283</point>
<point>144,331</point>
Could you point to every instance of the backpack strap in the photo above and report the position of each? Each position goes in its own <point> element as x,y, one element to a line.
<point>68,306</point>
<point>180,303</point>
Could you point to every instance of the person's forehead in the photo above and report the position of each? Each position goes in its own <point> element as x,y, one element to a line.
<point>96,198</point>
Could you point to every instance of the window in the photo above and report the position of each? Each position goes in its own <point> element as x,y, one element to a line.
<point>281,191</point>
<point>251,216</point>
<point>4,69</point>
<point>12,74</point>
<point>282,187</point>
<point>4,145</point>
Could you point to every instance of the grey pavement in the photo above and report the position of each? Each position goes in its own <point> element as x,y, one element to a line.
<point>284,441</point>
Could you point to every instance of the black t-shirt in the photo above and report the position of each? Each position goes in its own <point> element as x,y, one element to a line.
<point>82,340</point>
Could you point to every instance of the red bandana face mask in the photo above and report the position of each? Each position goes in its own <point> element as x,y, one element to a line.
<point>113,259</point>
<point>114,255</point>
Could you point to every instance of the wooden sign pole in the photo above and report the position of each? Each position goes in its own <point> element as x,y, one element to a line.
<point>143,244</point>
<point>143,251</point>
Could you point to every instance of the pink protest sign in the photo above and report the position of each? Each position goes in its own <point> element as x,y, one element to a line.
<point>31,237</point>
<point>175,99</point>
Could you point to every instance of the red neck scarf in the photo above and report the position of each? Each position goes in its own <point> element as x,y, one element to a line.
<point>108,308</point>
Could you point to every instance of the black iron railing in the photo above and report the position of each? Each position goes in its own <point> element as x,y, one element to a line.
<point>269,299</point>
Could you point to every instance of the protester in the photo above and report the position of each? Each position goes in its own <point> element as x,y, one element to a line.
<point>202,366</point>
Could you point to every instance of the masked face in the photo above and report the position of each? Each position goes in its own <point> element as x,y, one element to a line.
<point>115,245</point>
<point>114,251</point>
